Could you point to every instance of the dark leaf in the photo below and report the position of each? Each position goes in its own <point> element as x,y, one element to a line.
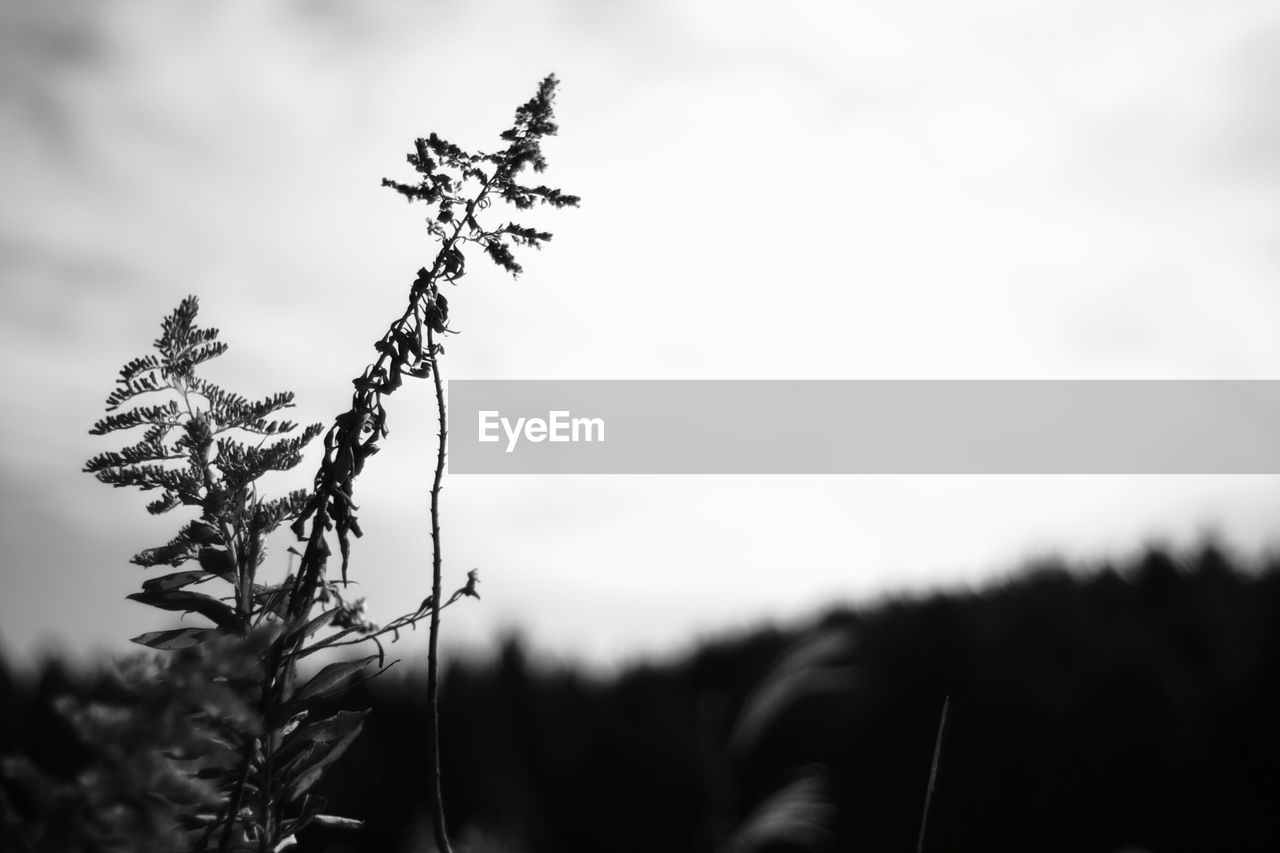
<point>309,769</point>
<point>275,599</point>
<point>344,545</point>
<point>332,679</point>
<point>435,319</point>
<point>315,624</point>
<point>411,344</point>
<point>321,732</point>
<point>178,638</point>
<point>217,561</point>
<point>173,581</point>
<point>180,600</point>
<point>203,533</point>
<point>454,263</point>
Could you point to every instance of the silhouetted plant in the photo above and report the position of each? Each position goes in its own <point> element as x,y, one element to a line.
<point>209,433</point>
<point>206,448</point>
<point>457,185</point>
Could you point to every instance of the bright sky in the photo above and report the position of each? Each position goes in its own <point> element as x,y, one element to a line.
<point>907,189</point>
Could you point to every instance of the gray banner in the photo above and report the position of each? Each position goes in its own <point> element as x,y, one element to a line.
<point>863,427</point>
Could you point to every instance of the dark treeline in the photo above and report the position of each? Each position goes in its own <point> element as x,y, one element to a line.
<point>1129,707</point>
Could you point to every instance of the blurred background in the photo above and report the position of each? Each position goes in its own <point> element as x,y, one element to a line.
<point>807,190</point>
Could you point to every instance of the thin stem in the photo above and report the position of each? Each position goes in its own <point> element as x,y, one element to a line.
<point>433,706</point>
<point>933,773</point>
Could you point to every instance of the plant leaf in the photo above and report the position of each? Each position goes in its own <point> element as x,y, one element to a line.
<point>173,581</point>
<point>311,766</point>
<point>332,679</point>
<point>321,732</point>
<point>175,599</point>
<point>177,638</point>
<point>217,561</point>
<point>315,624</point>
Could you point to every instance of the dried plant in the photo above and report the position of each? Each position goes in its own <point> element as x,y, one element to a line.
<point>206,448</point>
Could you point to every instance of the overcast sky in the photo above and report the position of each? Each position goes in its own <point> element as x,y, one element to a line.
<point>907,189</point>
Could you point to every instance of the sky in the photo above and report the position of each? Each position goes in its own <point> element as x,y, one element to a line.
<point>811,190</point>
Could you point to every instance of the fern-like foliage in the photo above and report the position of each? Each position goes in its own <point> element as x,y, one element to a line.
<point>206,448</point>
<point>193,431</point>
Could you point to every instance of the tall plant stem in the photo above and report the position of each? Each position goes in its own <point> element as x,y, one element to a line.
<point>433,706</point>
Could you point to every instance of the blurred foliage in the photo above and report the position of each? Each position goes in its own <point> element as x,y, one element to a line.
<point>114,760</point>
<point>1125,706</point>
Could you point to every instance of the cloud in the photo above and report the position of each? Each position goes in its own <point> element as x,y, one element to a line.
<point>805,190</point>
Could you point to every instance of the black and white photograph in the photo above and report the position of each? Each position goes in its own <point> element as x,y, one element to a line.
<point>639,427</point>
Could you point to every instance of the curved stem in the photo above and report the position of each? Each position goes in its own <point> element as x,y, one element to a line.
<point>433,706</point>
